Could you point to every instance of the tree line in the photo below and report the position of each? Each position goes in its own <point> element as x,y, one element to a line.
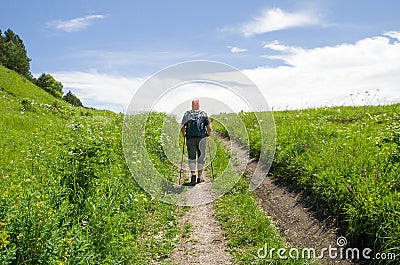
<point>13,55</point>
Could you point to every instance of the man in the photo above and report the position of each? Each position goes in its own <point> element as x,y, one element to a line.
<point>195,127</point>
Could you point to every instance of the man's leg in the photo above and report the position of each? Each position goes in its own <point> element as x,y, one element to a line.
<point>201,158</point>
<point>192,149</point>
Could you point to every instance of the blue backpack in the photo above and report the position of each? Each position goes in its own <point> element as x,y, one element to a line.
<point>195,125</point>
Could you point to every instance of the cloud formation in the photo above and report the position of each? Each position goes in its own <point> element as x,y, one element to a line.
<point>75,24</point>
<point>99,90</point>
<point>316,77</point>
<point>235,49</point>
<point>277,19</point>
<point>332,75</point>
<point>277,46</point>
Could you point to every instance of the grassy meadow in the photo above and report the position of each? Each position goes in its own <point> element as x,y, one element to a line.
<point>347,158</point>
<point>66,194</point>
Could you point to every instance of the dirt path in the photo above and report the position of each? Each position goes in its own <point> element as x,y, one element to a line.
<point>205,244</point>
<point>302,225</point>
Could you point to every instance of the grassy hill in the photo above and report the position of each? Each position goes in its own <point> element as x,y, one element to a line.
<point>347,158</point>
<point>20,87</point>
<point>66,194</point>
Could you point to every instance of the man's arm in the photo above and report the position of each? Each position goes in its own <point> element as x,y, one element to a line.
<point>185,118</point>
<point>207,123</point>
<point>209,129</point>
<point>183,130</point>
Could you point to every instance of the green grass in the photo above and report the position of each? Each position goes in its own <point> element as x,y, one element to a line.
<point>246,227</point>
<point>19,87</point>
<point>348,159</point>
<point>66,194</point>
<point>68,197</point>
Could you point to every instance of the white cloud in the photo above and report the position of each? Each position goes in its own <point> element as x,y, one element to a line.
<point>277,19</point>
<point>277,46</point>
<point>214,99</point>
<point>321,76</point>
<point>235,49</point>
<point>393,34</point>
<point>328,75</point>
<point>75,24</point>
<point>99,90</point>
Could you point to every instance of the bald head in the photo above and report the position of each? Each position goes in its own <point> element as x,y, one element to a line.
<point>195,104</point>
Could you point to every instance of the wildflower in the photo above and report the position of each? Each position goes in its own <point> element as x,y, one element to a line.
<point>364,171</point>
<point>377,177</point>
<point>349,187</point>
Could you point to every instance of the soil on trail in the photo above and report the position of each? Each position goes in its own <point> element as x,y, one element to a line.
<point>205,244</point>
<point>293,213</point>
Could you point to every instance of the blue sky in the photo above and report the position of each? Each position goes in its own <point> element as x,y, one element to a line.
<point>299,53</point>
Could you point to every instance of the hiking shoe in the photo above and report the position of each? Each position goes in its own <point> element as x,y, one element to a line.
<point>193,180</point>
<point>200,180</point>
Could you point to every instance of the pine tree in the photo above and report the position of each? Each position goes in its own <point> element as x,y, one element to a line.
<point>2,41</point>
<point>72,99</point>
<point>13,54</point>
<point>10,36</point>
<point>49,84</point>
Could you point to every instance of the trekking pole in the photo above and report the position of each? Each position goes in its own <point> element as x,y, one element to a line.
<point>212,167</point>
<point>183,150</point>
